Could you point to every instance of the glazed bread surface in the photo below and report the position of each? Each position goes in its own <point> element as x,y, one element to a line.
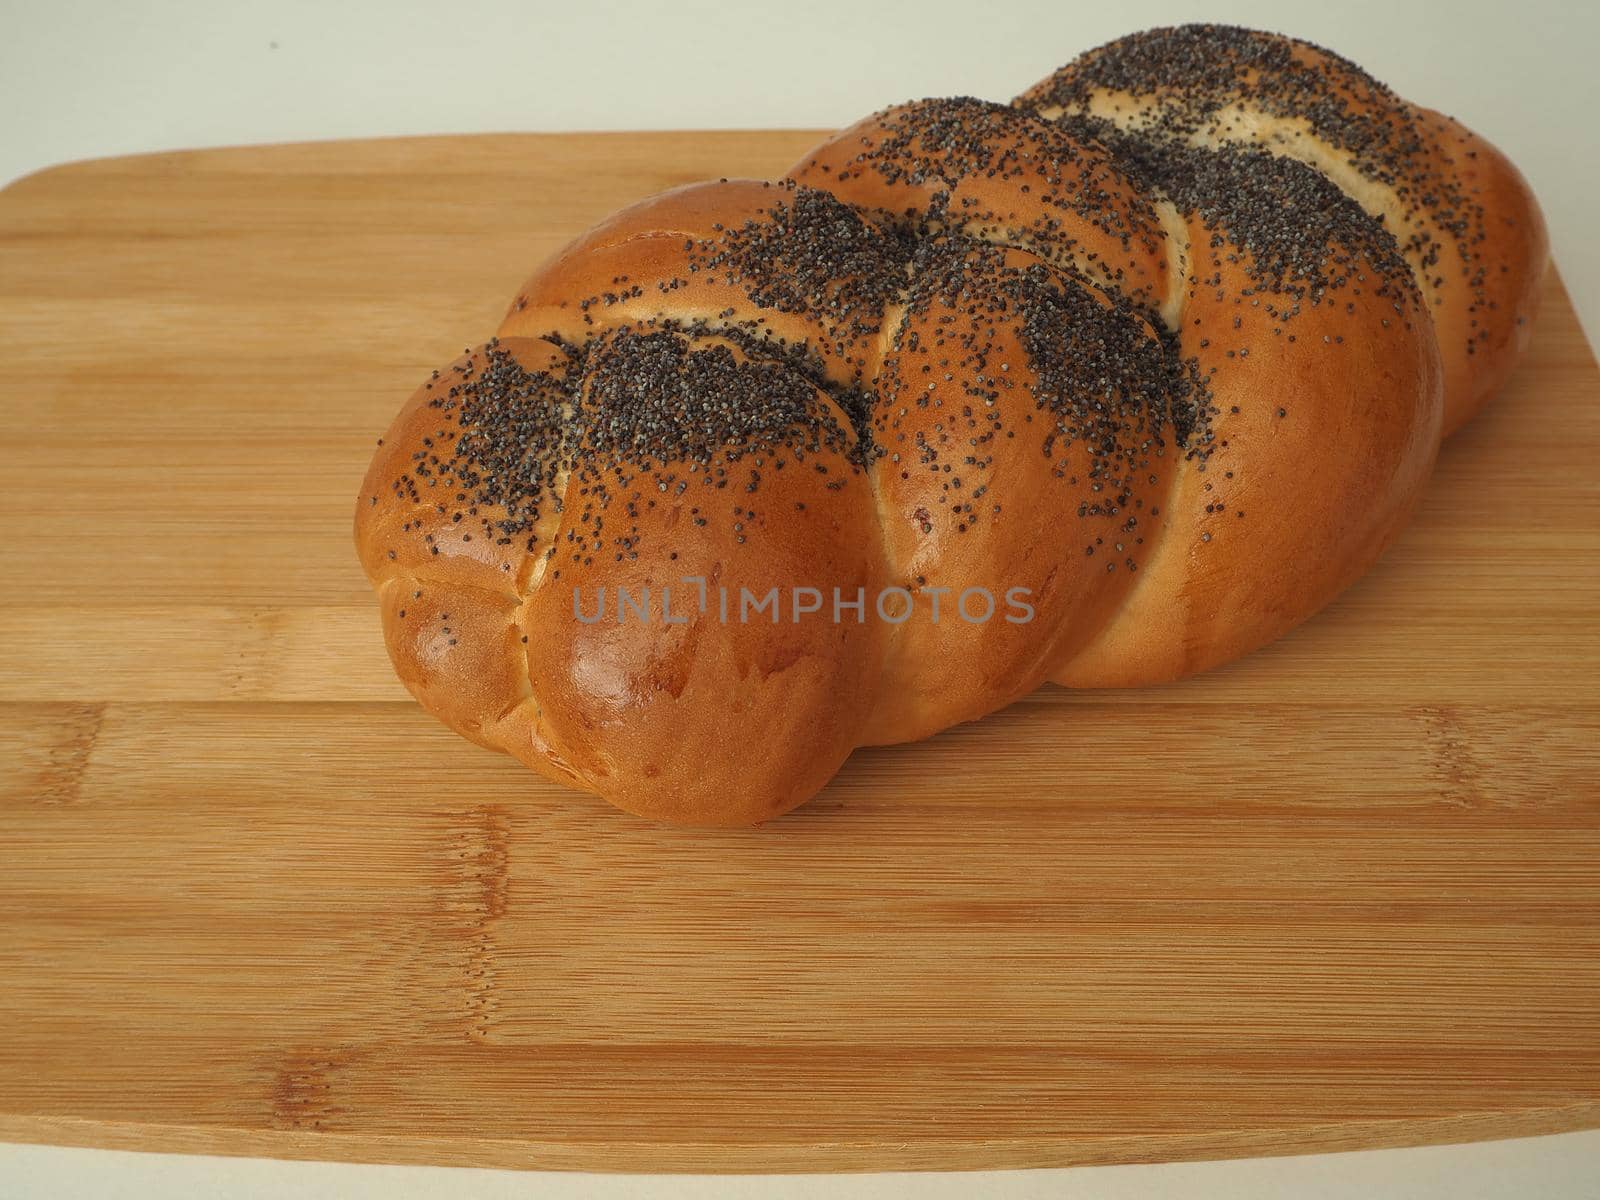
<point>1107,386</point>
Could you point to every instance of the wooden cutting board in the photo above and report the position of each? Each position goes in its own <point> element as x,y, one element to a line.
<point>252,899</point>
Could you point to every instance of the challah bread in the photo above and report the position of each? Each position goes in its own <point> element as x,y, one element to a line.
<point>978,396</point>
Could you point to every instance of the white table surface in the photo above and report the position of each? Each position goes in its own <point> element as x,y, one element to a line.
<point>88,78</point>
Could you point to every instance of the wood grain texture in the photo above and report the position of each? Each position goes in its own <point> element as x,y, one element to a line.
<point>1343,893</point>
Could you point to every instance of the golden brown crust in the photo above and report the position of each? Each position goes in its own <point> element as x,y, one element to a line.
<point>1485,303</point>
<point>1136,372</point>
<point>485,629</point>
<point>1030,510</point>
<point>1464,217</point>
<point>641,267</point>
<point>715,721</point>
<point>999,175</point>
<point>1324,435</point>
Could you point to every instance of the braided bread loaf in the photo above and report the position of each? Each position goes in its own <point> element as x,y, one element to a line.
<point>1105,387</point>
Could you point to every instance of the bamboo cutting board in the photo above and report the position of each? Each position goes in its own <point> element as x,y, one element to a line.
<point>1343,893</point>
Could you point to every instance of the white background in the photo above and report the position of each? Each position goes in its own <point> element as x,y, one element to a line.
<point>80,78</point>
